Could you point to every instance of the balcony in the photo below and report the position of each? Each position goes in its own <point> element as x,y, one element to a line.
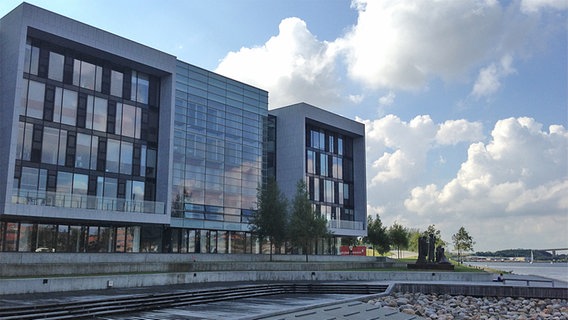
<point>74,201</point>
<point>345,224</point>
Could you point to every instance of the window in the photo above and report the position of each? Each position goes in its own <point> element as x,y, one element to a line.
<point>62,147</point>
<point>36,95</point>
<point>128,120</point>
<point>64,182</point>
<point>55,70</point>
<point>24,149</point>
<point>87,75</point>
<point>86,151</point>
<point>68,107</point>
<point>50,145</point>
<point>116,80</point>
<point>82,151</point>
<point>140,87</point>
<point>134,190</point>
<point>96,113</point>
<point>31,59</point>
<point>112,155</point>
<point>80,184</point>
<point>126,157</point>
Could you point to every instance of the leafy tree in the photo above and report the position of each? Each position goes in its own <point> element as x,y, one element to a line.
<point>437,235</point>
<point>305,225</point>
<point>462,242</point>
<point>399,237</point>
<point>270,220</point>
<point>377,235</point>
<point>413,236</point>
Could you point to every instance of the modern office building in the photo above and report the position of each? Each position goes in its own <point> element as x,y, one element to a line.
<point>328,152</point>
<point>112,146</point>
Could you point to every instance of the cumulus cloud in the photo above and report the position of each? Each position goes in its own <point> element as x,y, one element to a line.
<point>398,149</point>
<point>401,44</point>
<point>293,65</point>
<point>452,132</point>
<point>521,172</point>
<point>394,45</point>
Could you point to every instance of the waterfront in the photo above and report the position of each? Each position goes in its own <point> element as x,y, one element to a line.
<point>557,271</point>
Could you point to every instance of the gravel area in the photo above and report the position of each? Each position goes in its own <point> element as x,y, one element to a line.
<point>447,307</point>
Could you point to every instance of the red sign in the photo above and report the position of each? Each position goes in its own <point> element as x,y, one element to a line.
<point>353,250</point>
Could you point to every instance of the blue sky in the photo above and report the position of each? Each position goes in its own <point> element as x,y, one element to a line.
<point>465,102</point>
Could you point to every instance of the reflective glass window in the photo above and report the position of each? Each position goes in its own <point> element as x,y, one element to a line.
<point>140,87</point>
<point>62,239</point>
<point>96,113</point>
<point>58,105</point>
<point>110,188</point>
<point>143,161</point>
<point>24,97</point>
<point>62,147</point>
<point>29,179</point>
<point>116,80</point>
<point>80,183</point>
<point>26,237</point>
<point>87,75</point>
<point>126,149</point>
<point>69,107</point>
<point>25,141</point>
<point>64,182</point>
<point>112,155</point>
<point>31,59</point>
<point>310,161</point>
<point>36,95</point>
<point>128,120</point>
<point>94,152</point>
<point>134,190</point>
<point>55,70</point>
<point>83,151</point>
<point>50,145</point>
<point>118,120</point>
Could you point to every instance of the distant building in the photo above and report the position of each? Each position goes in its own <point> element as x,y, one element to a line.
<point>112,146</point>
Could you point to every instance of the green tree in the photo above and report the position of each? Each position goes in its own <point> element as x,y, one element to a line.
<point>399,237</point>
<point>305,225</point>
<point>437,235</point>
<point>413,236</point>
<point>462,242</point>
<point>377,235</point>
<point>270,220</point>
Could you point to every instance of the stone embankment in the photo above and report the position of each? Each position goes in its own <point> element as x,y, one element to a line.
<point>447,307</point>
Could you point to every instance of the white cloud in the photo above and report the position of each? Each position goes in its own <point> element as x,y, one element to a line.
<point>521,172</point>
<point>356,98</point>
<point>393,45</point>
<point>531,6</point>
<point>400,44</point>
<point>293,66</point>
<point>397,148</point>
<point>387,99</point>
<point>452,132</point>
<point>489,78</point>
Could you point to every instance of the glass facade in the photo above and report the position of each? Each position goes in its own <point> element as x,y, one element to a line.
<point>91,133</point>
<point>81,122</point>
<point>329,172</point>
<point>218,146</point>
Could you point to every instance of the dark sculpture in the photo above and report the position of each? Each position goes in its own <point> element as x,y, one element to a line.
<point>422,249</point>
<point>440,255</point>
<point>429,256</point>
<point>431,248</point>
